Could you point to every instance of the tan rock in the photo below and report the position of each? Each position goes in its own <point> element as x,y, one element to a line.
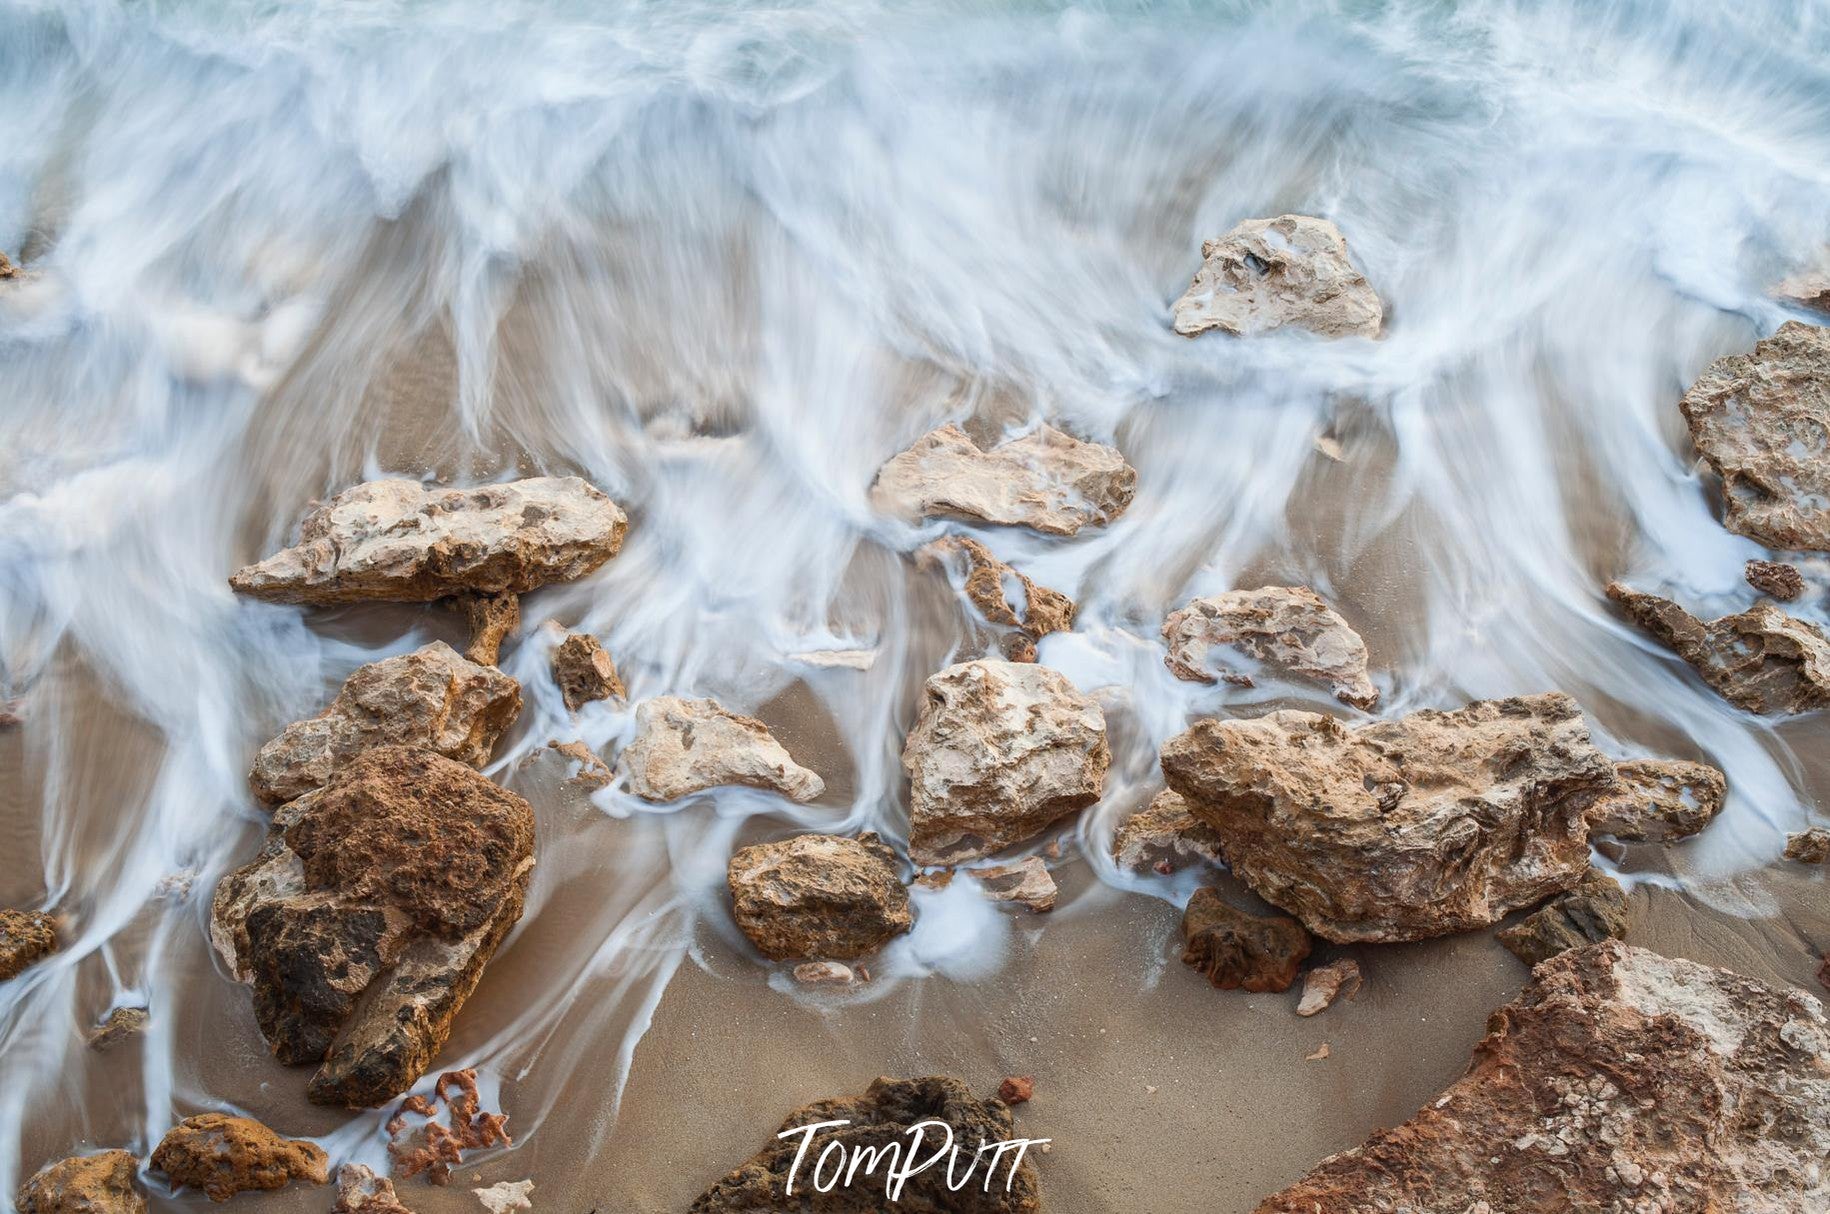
<point>584,671</point>
<point>1762,659</point>
<point>225,1155</point>
<point>1268,273</point>
<point>1000,751</point>
<point>1046,480</point>
<point>687,746</point>
<point>1776,578</point>
<point>492,619</point>
<point>122,1024</point>
<point>1325,983</point>
<point>1434,823</point>
<point>1809,289</point>
<point>432,698</point>
<point>1595,910</point>
<point>104,1183</point>
<point>1162,834</point>
<point>1234,950</point>
<point>1287,628</point>
<point>360,1191</point>
<point>593,772</point>
<point>824,973</point>
<point>26,938</point>
<point>401,541</point>
<point>1018,609</point>
<point>12,713</point>
<point>505,1196</point>
<point>1659,800</point>
<point>1027,882</point>
<point>1619,1080</point>
<point>1809,847</point>
<point>818,897</point>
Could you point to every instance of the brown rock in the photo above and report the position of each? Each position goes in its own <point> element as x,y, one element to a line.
<point>122,1024</point>
<point>492,618</point>
<point>7,269</point>
<point>360,1191</point>
<point>432,698</point>
<point>1326,983</point>
<point>989,585</point>
<point>1046,480</point>
<point>1017,1089</point>
<point>584,671</point>
<point>1287,628</point>
<point>1268,273</point>
<point>105,1183</point>
<point>1776,578</point>
<point>225,1155</point>
<point>1434,823</point>
<point>1236,950</point>
<point>818,896</point>
<point>400,541</point>
<point>593,772</point>
<point>1026,882</point>
<point>1000,751</point>
<point>1595,910</point>
<point>1809,847</point>
<point>26,938</point>
<point>1762,660</point>
<point>1618,1081</point>
<point>1164,832</point>
<point>12,713</point>
<point>687,746</point>
<point>367,919</point>
<point>435,1148</point>
<point>1659,800</point>
<point>1823,971</point>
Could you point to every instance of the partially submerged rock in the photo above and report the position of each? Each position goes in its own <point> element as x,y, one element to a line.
<point>104,1183</point>
<point>592,772</point>
<point>1434,823</point>
<point>1594,911</point>
<point>432,698</point>
<point>1287,628</point>
<point>1809,847</point>
<point>1659,800</point>
<point>1619,1080</point>
<point>1000,751</point>
<point>365,922</point>
<point>26,938</point>
<point>12,713</point>
<point>1776,578</point>
<point>1235,950</point>
<point>584,671</point>
<point>1268,273</point>
<point>225,1155</point>
<point>122,1024</point>
<point>1762,659</point>
<point>824,973</point>
<point>400,541</point>
<point>817,897</point>
<point>1046,480</point>
<point>1163,833</point>
<point>686,746</point>
<point>1807,289</point>
<point>1021,611</point>
<point>436,1147</point>
<point>1339,979</point>
<point>360,1191</point>
<point>492,618</point>
<point>1027,883</point>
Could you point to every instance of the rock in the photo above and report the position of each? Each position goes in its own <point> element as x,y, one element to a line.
<point>366,920</point>
<point>1000,751</point>
<point>491,617</point>
<point>122,1024</point>
<point>12,713</point>
<point>225,1155</point>
<point>506,1195</point>
<point>1320,1054</point>
<point>1235,950</point>
<point>1046,480</point>
<point>360,1191</point>
<point>687,746</point>
<point>584,671</point>
<point>1762,421</point>
<point>1762,660</point>
<point>1017,1089</point>
<point>1268,273</point>
<point>1809,847</point>
<point>436,1148</point>
<point>432,698</point>
<point>1808,289</point>
<point>1823,971</point>
<point>1026,882</point>
<point>1619,1080</point>
<point>1434,823</point>
<point>1326,983</point>
<point>989,585</point>
<point>1162,832</point>
<point>593,772</point>
<point>1776,578</point>
<point>1659,800</point>
<point>824,973</point>
<point>1288,628</point>
<point>818,896</point>
<point>105,1183</point>
<point>1595,910</point>
<point>874,1121</point>
<point>400,541</point>
<point>26,938</point>
<point>7,268</point>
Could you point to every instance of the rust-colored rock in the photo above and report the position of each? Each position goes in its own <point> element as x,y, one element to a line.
<point>683,747</point>
<point>367,919</point>
<point>26,938</point>
<point>435,1147</point>
<point>492,618</point>
<point>1594,911</point>
<point>1809,847</point>
<point>818,897</point>
<point>584,671</point>
<point>224,1155</point>
<point>1619,1080</point>
<point>104,1183</point>
<point>1776,578</point>
<point>1017,1089</point>
<point>1235,950</point>
<point>1046,480</point>
<point>1020,611</point>
<point>1027,883</point>
<point>1762,659</point>
<point>360,1191</point>
<point>121,1024</point>
<point>1339,979</point>
<point>1434,823</point>
<point>1659,800</point>
<point>1289,629</point>
<point>1163,833</point>
<point>1269,273</point>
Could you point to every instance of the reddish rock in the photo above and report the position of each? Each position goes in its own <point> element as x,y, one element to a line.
<point>584,671</point>
<point>1016,1089</point>
<point>1659,800</point>
<point>990,586</point>
<point>436,1147</point>
<point>818,897</point>
<point>1762,659</point>
<point>105,1183</point>
<point>1776,578</point>
<point>1235,950</point>
<point>26,938</point>
<point>225,1155</point>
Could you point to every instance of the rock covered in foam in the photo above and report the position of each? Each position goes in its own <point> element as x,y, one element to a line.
<point>685,746</point>
<point>1046,480</point>
<point>1016,607</point>
<point>1287,628</point>
<point>1760,659</point>
<point>1269,273</point>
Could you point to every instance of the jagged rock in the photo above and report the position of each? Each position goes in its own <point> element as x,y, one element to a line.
<point>105,1183</point>
<point>1288,628</point>
<point>1809,289</point>
<point>1762,659</point>
<point>435,1148</point>
<point>1326,983</point>
<point>818,896</point>
<point>1595,910</point>
<point>1162,833</point>
<point>687,746</point>
<point>400,541</point>
<point>360,1191</point>
<point>1268,273</point>
<point>824,973</point>
<point>121,1024</point>
<point>1027,882</point>
<point>1000,750</point>
<point>7,268</point>
<point>506,1195</point>
<point>367,918</point>
<point>1659,800</point>
<point>1434,823</point>
<point>593,772</point>
<point>584,671</point>
<point>1017,1089</point>
<point>874,1121</point>
<point>492,618</point>
<point>1619,1080</point>
<point>12,713</point>
<point>1809,847</point>
<point>1776,578</point>
<point>1046,480</point>
<point>26,938</point>
<point>1235,950</point>
<point>432,698</point>
<point>225,1155</point>
<point>1021,611</point>
<point>1762,421</point>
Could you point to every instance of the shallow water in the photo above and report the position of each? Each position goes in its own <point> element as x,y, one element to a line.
<point>725,259</point>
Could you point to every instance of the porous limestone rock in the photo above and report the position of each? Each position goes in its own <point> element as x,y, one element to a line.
<point>224,1155</point>
<point>1809,847</point>
<point>687,746</point>
<point>121,1024</point>
<point>1593,911</point>
<point>592,772</point>
<point>1434,823</point>
<point>584,671</point>
<point>1325,983</point>
<point>1018,609</point>
<point>1268,273</point>
<point>26,938</point>
<point>360,1191</point>
<point>818,897</point>
<point>104,1183</point>
<point>1000,750</point>
<point>1046,480</point>
<point>1619,1080</point>
<point>365,922</point>
<point>433,698</point>
<point>1761,659</point>
<point>1776,578</point>
<point>1659,800</point>
<point>1287,628</point>
<point>1027,883</point>
<point>1163,833</point>
<point>492,618</point>
<point>400,541</point>
<point>1235,950</point>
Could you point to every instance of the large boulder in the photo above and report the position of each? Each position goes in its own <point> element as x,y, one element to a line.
<point>1619,1080</point>
<point>1760,659</point>
<point>1287,628</point>
<point>1019,610</point>
<point>1000,751</point>
<point>818,897</point>
<point>26,938</point>
<point>365,922</point>
<point>432,698</point>
<point>1659,800</point>
<point>104,1183</point>
<point>224,1155</point>
<point>683,747</point>
<point>1268,273</point>
<point>1046,480</point>
<point>1434,823</point>
<point>401,541</point>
